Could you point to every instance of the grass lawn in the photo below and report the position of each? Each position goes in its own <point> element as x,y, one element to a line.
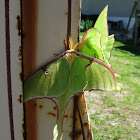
<point>114,115</point>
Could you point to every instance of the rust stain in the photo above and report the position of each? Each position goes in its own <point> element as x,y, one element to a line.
<point>20,53</point>
<point>65,116</point>
<point>79,125</point>
<point>41,106</point>
<point>31,131</point>
<point>86,127</point>
<point>85,124</point>
<point>81,121</point>
<point>75,115</point>
<point>66,13</point>
<point>84,112</point>
<point>35,104</point>
<point>29,29</point>
<point>50,113</point>
<point>84,101</point>
<point>77,133</point>
<point>19,25</point>
<point>71,116</point>
<point>23,134</point>
<point>20,98</point>
<point>89,134</point>
<point>21,76</point>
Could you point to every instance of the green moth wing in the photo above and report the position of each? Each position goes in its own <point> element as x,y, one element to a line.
<point>68,74</point>
<point>54,79</point>
<point>91,75</point>
<point>95,39</point>
<point>108,49</point>
<point>96,42</point>
<point>102,26</point>
<point>47,80</point>
<point>92,44</point>
<point>73,72</point>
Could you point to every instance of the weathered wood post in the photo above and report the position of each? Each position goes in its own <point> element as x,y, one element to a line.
<point>46,24</point>
<point>11,105</point>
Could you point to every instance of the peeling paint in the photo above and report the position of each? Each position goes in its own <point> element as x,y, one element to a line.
<point>19,25</point>
<point>20,53</point>
<point>21,76</point>
<point>50,113</point>
<point>66,13</point>
<point>65,116</point>
<point>20,98</point>
<point>23,134</point>
<point>41,106</point>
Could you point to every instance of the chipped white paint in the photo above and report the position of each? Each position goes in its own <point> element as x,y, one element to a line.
<point>68,121</point>
<point>46,119</point>
<point>16,68</point>
<point>15,63</point>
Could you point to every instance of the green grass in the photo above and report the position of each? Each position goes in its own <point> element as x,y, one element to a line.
<point>114,115</point>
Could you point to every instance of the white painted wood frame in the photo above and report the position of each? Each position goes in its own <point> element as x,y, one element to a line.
<point>11,105</point>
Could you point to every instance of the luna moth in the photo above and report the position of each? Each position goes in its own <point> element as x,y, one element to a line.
<point>85,66</point>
